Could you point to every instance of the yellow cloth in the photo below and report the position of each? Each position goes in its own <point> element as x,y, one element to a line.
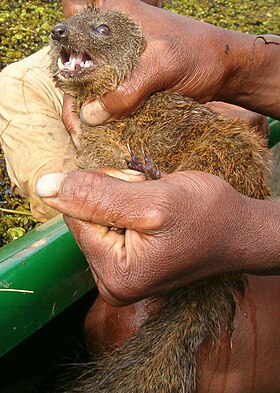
<point>32,135</point>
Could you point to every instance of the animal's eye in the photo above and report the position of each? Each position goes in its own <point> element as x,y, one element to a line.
<point>103,30</point>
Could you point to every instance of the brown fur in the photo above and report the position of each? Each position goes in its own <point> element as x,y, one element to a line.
<point>181,135</point>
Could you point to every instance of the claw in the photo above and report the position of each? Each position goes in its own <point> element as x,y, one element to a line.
<point>148,167</point>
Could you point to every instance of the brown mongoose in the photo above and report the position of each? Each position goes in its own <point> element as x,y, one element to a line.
<point>92,53</point>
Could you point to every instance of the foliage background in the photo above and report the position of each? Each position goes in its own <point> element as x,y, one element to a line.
<point>25,27</point>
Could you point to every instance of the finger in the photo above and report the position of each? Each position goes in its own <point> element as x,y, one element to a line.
<point>112,259</point>
<point>71,7</point>
<point>71,119</point>
<point>102,199</point>
<point>253,119</point>
<point>100,244</point>
<point>94,113</point>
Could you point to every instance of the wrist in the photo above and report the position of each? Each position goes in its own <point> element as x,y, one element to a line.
<point>254,237</point>
<point>252,75</point>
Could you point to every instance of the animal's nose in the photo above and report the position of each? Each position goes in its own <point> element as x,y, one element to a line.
<point>59,32</point>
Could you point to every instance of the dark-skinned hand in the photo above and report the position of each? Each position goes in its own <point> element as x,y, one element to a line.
<point>171,60</point>
<point>195,59</point>
<point>175,227</point>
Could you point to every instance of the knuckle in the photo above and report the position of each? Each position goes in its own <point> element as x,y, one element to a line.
<point>127,96</point>
<point>80,186</point>
<point>160,207</point>
<point>155,217</point>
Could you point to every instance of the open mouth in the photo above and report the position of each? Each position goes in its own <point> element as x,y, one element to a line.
<point>72,63</point>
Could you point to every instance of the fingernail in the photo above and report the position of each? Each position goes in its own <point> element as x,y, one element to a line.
<point>126,174</point>
<point>49,185</point>
<point>132,172</point>
<point>94,113</point>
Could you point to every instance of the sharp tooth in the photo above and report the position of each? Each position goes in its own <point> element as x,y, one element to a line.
<point>82,64</point>
<point>60,64</point>
<point>87,63</point>
<point>73,63</point>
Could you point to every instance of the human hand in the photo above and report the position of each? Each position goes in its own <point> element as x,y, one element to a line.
<point>179,228</point>
<point>71,7</point>
<point>253,119</point>
<point>173,60</point>
<point>71,120</point>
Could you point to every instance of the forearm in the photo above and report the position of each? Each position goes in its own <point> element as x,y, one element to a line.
<point>252,73</point>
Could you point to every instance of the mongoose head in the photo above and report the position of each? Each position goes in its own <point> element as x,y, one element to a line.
<point>94,51</point>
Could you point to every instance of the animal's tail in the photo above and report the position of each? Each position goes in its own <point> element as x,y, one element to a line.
<point>161,357</point>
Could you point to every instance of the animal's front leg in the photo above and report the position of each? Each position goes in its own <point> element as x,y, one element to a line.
<point>145,164</point>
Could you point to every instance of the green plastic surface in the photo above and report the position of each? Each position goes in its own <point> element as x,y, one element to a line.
<point>274,136</point>
<point>48,265</point>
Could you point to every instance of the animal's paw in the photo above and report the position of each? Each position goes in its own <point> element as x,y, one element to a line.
<point>144,164</point>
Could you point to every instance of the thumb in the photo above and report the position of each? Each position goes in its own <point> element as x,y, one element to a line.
<point>126,97</point>
<point>97,197</point>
